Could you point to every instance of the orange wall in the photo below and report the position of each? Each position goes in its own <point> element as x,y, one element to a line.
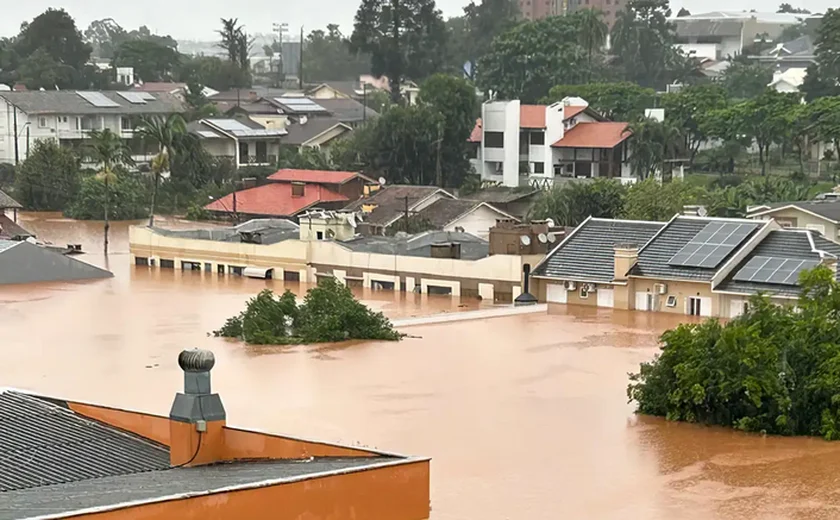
<point>242,444</point>
<point>153,427</point>
<point>392,493</point>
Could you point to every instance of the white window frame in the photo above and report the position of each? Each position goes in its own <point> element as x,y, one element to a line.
<point>671,302</point>
<point>583,294</point>
<point>42,122</point>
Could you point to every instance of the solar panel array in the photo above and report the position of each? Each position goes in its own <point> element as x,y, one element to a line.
<point>712,245</point>
<point>98,99</point>
<point>238,129</point>
<point>770,269</point>
<point>208,134</point>
<point>146,96</point>
<point>134,98</point>
<point>300,104</point>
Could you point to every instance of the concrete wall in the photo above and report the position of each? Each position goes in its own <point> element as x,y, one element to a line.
<point>477,222</point>
<point>796,218</point>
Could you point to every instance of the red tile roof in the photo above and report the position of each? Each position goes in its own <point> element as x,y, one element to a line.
<point>594,135</point>
<point>275,200</point>
<point>475,136</point>
<point>532,116</point>
<point>571,111</point>
<point>313,176</point>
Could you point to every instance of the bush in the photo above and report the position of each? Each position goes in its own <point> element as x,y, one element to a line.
<point>49,178</point>
<point>128,195</point>
<point>774,369</point>
<point>329,313</point>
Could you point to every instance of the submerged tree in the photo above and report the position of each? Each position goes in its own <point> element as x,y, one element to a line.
<point>108,150</point>
<point>164,133</point>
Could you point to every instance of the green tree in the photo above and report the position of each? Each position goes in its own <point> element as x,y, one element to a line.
<point>151,61</point>
<point>772,370</point>
<point>455,100</point>
<point>109,151</point>
<point>570,203</point>
<point>164,132</point>
<point>688,109</point>
<point>655,201</point>
<point>643,40</point>
<point>617,101</point>
<point>655,143</point>
<point>823,120</point>
<point>593,32</point>
<point>55,32</point>
<point>126,198</point>
<point>237,45</point>
<point>527,60</point>
<point>765,119</point>
<point>327,57</point>
<point>39,70</point>
<point>211,71</point>
<point>482,23</point>
<point>787,8</point>
<point>744,80</point>
<point>823,77</point>
<point>104,36</point>
<point>49,177</point>
<point>406,39</point>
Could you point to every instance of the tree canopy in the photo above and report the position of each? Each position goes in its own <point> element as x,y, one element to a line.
<point>622,101</point>
<point>823,77</point>
<point>49,178</point>
<point>327,56</point>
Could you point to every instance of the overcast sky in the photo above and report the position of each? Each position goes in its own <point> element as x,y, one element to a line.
<point>198,20</point>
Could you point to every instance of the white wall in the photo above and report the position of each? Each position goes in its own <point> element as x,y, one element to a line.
<point>477,222</point>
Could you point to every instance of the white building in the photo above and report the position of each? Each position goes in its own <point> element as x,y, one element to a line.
<point>68,116</point>
<point>521,145</point>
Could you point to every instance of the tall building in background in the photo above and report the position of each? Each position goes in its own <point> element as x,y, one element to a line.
<point>610,8</point>
<point>536,9</point>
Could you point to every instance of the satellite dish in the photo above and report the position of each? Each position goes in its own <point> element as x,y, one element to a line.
<point>330,233</point>
<point>549,222</point>
<point>525,240</point>
<point>552,237</point>
<point>382,181</point>
<point>701,211</point>
<point>542,238</point>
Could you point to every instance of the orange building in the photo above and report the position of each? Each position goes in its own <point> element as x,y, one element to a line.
<point>65,459</point>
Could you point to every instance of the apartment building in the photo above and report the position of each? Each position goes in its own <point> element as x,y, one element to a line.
<point>609,8</point>
<point>67,116</point>
<point>514,144</point>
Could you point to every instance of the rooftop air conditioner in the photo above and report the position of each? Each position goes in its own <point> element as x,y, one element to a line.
<point>660,288</point>
<point>590,287</point>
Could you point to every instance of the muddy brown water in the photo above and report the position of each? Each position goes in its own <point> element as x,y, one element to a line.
<point>525,417</point>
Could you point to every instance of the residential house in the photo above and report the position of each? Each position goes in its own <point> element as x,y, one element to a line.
<point>514,201</point>
<point>8,206</point>
<point>789,80</point>
<point>476,218</point>
<point>381,207</point>
<point>73,459</point>
<point>795,54</point>
<point>349,111</point>
<point>822,216</point>
<point>9,227</point>
<point>68,116</point>
<point>317,132</point>
<point>689,265</point>
<point>244,142</point>
<point>721,34</point>
<point>25,262</point>
<point>358,90</point>
<point>289,193</point>
<point>536,145</point>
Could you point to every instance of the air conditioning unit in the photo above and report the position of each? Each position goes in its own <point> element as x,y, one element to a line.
<point>660,288</point>
<point>590,287</point>
<point>571,286</point>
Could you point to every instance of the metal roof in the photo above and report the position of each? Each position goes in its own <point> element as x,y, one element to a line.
<point>6,202</point>
<point>654,259</point>
<point>72,102</point>
<point>588,253</point>
<point>390,201</point>
<point>302,133</point>
<point>444,211</point>
<point>22,262</point>
<point>43,444</point>
<point>348,110</point>
<point>237,128</point>
<point>472,247</point>
<point>828,209</point>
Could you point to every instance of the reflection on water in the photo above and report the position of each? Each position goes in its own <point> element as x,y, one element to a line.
<point>525,417</point>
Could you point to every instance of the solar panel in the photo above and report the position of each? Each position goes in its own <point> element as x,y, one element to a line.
<point>98,99</point>
<point>238,129</point>
<point>207,133</point>
<point>132,97</point>
<point>146,96</point>
<point>712,245</point>
<point>300,104</point>
<point>228,125</point>
<point>768,269</point>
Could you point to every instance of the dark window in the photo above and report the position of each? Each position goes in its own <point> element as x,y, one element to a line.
<point>235,269</point>
<point>141,261</point>
<point>435,289</point>
<point>220,269</point>
<point>167,264</point>
<point>125,123</point>
<point>291,276</point>
<point>381,286</point>
<point>539,167</point>
<point>262,152</point>
<point>298,189</point>
<point>208,268</point>
<point>537,138</point>
<point>494,139</point>
<point>243,153</point>
<point>319,235</point>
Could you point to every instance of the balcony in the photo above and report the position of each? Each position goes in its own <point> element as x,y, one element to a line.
<point>257,160</point>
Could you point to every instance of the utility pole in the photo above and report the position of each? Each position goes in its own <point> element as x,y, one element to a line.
<point>364,102</point>
<point>300,66</point>
<point>17,137</point>
<point>280,29</point>
<point>438,173</point>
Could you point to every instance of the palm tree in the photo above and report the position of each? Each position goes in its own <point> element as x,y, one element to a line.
<point>164,132</point>
<point>109,151</point>
<point>593,33</point>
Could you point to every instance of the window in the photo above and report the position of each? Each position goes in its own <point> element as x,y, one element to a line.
<point>243,153</point>
<point>64,119</point>
<point>291,276</point>
<point>584,293</point>
<point>141,261</point>
<point>694,306</point>
<point>235,269</point>
<point>672,301</point>
<point>125,123</point>
<point>298,189</point>
<point>494,139</point>
<point>42,122</point>
<point>319,235</point>
<point>167,264</point>
<point>537,138</point>
<point>539,167</point>
<point>78,123</point>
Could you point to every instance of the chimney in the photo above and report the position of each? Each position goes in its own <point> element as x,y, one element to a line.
<point>626,256</point>
<point>197,417</point>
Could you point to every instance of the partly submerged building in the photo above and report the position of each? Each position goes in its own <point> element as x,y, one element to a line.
<point>68,459</point>
<point>24,262</point>
<point>689,265</point>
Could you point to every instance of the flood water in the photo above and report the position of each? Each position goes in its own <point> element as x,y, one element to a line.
<point>525,417</point>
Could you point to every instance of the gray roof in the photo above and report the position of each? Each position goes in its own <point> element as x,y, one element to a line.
<point>688,28</point>
<point>802,46</point>
<point>588,254</point>
<point>785,243</point>
<point>654,258</point>
<point>22,262</point>
<point>70,102</point>
<point>44,444</point>
<point>348,110</point>
<point>829,209</point>
<point>7,202</point>
<point>443,211</point>
<point>390,202</point>
<point>501,195</point>
<point>302,133</point>
<point>472,247</point>
<point>270,231</point>
<point>11,230</point>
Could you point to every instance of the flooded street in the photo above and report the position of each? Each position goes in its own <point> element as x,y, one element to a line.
<point>525,417</point>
